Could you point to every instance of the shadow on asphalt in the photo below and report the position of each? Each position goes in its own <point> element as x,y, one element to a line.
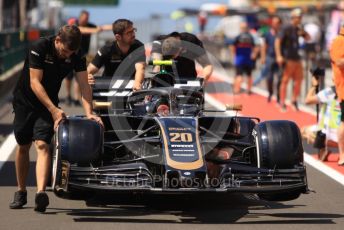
<point>8,174</point>
<point>6,129</point>
<point>192,209</point>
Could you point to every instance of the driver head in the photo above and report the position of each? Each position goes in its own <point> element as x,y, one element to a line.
<point>163,110</point>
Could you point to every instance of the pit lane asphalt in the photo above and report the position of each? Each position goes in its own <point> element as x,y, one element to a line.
<point>323,209</point>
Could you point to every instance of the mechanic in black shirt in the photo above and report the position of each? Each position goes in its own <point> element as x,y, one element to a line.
<point>87,29</point>
<point>124,57</point>
<point>191,50</point>
<point>36,109</point>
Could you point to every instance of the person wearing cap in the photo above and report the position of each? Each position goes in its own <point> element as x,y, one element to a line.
<point>287,56</point>
<point>186,52</point>
<point>337,61</point>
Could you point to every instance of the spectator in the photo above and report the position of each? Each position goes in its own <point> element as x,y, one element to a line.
<point>329,117</point>
<point>337,60</point>
<point>35,103</point>
<point>191,50</point>
<point>244,50</point>
<point>268,57</point>
<point>113,54</point>
<point>287,56</point>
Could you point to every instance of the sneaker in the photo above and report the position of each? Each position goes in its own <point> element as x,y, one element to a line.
<point>76,103</point>
<point>20,199</point>
<point>69,100</point>
<point>295,106</point>
<point>41,202</point>
<point>283,108</point>
<point>269,98</point>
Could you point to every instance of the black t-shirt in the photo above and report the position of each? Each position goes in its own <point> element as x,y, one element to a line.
<point>85,38</point>
<point>192,51</point>
<point>290,42</point>
<point>114,61</point>
<point>42,55</point>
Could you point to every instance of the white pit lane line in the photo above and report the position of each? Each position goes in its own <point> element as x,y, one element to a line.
<point>7,148</point>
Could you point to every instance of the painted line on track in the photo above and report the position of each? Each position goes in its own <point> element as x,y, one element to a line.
<point>335,175</point>
<point>7,148</point>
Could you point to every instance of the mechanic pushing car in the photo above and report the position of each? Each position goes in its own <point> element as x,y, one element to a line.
<point>36,109</point>
<point>191,50</point>
<point>112,55</point>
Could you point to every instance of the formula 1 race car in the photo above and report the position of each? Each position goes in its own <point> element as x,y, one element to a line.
<point>161,139</point>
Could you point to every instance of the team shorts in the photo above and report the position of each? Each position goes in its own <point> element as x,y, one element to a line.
<point>70,75</point>
<point>30,125</point>
<point>243,70</point>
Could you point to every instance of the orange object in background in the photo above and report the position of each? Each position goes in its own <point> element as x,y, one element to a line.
<point>33,34</point>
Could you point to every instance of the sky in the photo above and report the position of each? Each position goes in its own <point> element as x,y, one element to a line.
<point>140,11</point>
<point>135,9</point>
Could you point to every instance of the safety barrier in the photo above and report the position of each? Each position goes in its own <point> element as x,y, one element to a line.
<point>13,45</point>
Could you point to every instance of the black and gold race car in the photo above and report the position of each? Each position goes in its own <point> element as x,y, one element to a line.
<point>162,140</point>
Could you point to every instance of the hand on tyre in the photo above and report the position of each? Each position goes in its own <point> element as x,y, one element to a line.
<point>58,115</point>
<point>96,118</point>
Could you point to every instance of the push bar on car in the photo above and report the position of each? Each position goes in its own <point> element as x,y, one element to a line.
<point>160,62</point>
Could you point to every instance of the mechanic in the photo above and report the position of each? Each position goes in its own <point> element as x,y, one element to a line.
<point>35,103</point>
<point>337,60</point>
<point>126,50</point>
<point>86,28</point>
<point>191,50</point>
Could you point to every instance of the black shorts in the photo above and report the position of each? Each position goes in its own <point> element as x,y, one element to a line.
<point>30,125</point>
<point>243,69</point>
<point>342,111</point>
<point>70,75</point>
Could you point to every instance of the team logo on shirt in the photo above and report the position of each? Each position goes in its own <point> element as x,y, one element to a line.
<point>68,60</point>
<point>35,53</point>
<point>49,59</point>
<point>115,58</point>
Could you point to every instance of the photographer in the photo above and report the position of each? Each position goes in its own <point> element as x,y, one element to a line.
<point>324,133</point>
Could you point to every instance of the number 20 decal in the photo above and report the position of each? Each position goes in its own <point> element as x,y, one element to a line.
<point>180,137</point>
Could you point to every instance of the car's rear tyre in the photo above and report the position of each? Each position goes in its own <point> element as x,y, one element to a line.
<point>279,146</point>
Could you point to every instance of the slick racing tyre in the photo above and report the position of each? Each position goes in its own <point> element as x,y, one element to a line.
<point>279,146</point>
